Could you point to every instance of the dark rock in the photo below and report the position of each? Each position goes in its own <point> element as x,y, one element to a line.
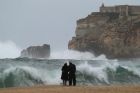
<point>36,51</point>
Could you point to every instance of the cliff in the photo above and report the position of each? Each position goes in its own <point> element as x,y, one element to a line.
<point>108,33</point>
<point>36,51</point>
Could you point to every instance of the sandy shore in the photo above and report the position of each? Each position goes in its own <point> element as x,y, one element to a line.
<point>77,89</point>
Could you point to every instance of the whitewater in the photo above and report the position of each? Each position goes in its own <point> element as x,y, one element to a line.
<point>91,70</point>
<point>30,72</point>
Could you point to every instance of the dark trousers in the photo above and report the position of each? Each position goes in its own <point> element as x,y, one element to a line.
<point>64,82</point>
<point>72,80</point>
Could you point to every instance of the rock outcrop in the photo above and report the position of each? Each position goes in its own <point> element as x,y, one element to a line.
<point>108,33</point>
<point>36,51</point>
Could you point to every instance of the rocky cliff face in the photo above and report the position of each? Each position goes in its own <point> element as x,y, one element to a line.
<point>109,34</point>
<point>36,52</point>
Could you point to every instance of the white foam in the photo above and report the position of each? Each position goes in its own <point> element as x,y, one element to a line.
<point>71,54</point>
<point>9,49</point>
<point>133,69</point>
<point>98,71</point>
<point>48,77</point>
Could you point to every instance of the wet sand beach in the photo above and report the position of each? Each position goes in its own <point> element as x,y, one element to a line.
<point>77,89</point>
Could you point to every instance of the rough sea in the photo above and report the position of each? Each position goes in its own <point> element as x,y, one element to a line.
<point>91,70</point>
<point>31,72</point>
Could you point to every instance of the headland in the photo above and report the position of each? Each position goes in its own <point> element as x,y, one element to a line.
<point>113,31</point>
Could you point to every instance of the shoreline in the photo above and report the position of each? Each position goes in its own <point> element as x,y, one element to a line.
<point>73,89</point>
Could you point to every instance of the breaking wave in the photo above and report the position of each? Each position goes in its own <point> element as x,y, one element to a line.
<point>26,76</point>
<point>108,74</point>
<point>89,72</point>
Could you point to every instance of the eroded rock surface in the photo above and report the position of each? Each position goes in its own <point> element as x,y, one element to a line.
<point>36,51</point>
<point>109,34</point>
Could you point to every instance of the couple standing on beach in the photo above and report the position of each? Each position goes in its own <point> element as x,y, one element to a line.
<point>68,74</point>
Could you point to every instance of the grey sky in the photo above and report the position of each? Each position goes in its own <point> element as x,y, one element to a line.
<point>34,22</point>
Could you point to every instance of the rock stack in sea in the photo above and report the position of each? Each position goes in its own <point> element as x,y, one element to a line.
<point>36,51</point>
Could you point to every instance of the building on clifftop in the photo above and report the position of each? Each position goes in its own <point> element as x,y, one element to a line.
<point>123,10</point>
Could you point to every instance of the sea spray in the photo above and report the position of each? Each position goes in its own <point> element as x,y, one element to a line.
<point>72,54</point>
<point>9,49</point>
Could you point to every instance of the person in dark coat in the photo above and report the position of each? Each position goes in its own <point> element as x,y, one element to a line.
<point>64,75</point>
<point>72,76</point>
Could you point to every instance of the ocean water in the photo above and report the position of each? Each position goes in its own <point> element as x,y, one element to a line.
<point>30,72</point>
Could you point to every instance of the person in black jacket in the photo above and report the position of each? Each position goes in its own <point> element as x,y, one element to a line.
<point>64,75</point>
<point>72,76</point>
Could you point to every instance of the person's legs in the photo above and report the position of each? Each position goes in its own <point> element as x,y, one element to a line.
<point>66,82</point>
<point>63,82</point>
<point>74,81</point>
<point>70,81</point>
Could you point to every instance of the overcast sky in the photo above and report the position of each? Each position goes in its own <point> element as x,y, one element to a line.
<point>35,22</point>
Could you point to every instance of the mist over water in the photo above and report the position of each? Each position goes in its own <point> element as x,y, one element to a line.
<point>91,70</point>
<point>9,49</point>
<point>71,54</point>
